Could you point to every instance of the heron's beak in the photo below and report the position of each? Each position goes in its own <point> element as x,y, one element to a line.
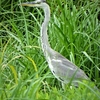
<point>30,4</point>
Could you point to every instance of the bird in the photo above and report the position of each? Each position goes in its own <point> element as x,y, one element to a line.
<point>63,69</point>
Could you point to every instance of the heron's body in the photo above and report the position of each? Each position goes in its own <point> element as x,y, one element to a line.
<point>64,72</point>
<point>61,67</point>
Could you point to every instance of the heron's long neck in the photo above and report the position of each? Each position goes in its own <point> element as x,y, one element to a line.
<point>44,36</point>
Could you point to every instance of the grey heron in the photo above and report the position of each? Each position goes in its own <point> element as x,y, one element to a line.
<point>64,70</point>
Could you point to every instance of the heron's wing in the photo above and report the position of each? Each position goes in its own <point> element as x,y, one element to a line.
<point>64,68</point>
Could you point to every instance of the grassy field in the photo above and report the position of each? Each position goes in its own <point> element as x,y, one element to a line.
<point>74,31</point>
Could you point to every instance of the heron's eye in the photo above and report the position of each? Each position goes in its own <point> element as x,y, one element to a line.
<point>44,0</point>
<point>39,1</point>
<point>35,2</point>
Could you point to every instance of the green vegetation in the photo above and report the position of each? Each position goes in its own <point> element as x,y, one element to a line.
<point>74,31</point>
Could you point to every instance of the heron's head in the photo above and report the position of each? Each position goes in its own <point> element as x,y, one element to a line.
<point>36,3</point>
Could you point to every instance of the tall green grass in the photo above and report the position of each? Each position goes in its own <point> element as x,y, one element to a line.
<point>74,31</point>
